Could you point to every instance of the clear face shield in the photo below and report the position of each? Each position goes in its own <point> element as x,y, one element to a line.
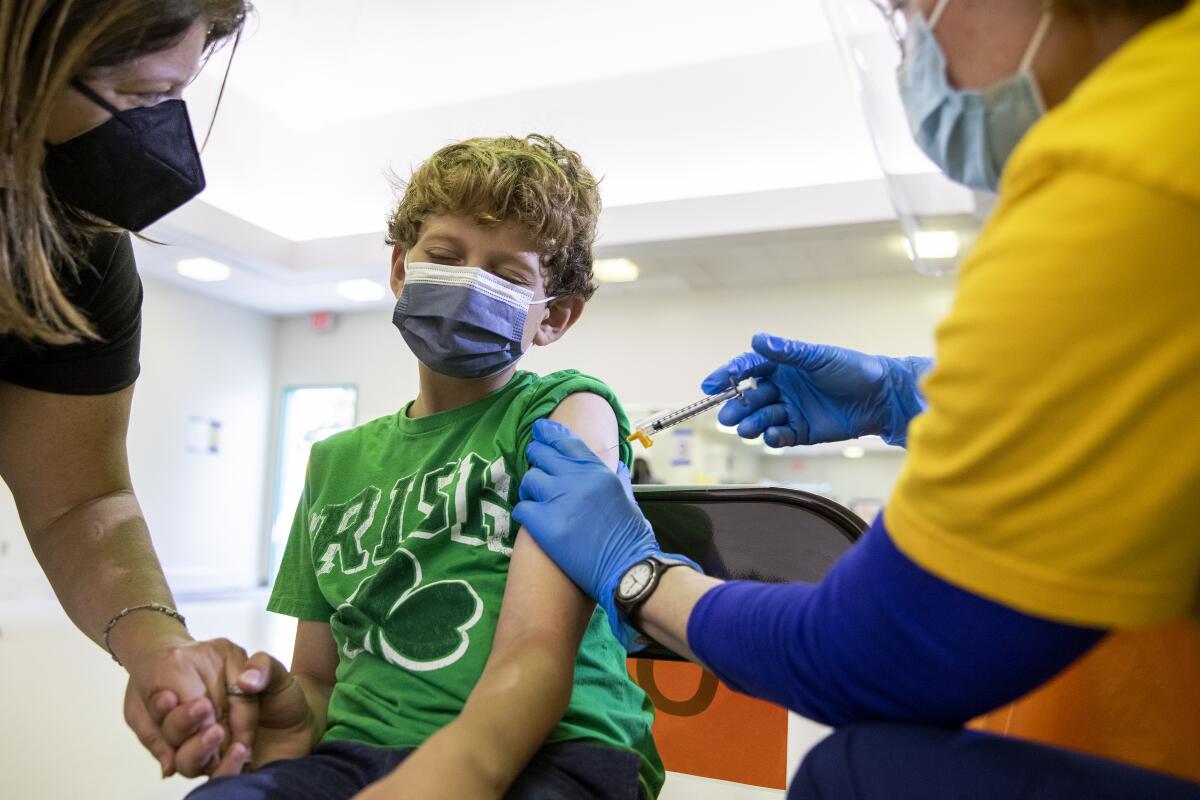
<point>937,217</point>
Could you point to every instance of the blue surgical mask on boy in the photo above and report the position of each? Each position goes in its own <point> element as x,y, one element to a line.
<point>968,134</point>
<point>462,322</point>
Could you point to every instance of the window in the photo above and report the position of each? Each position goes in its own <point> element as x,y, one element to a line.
<point>308,414</point>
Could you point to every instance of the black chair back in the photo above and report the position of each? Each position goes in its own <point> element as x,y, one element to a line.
<point>748,533</point>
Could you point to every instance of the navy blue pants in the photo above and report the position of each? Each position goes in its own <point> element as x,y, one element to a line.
<point>339,770</point>
<point>891,761</point>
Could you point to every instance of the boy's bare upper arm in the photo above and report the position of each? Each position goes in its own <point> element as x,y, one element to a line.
<point>538,595</point>
<point>315,652</point>
<point>592,419</point>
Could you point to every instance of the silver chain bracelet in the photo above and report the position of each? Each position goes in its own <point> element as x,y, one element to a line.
<point>159,607</point>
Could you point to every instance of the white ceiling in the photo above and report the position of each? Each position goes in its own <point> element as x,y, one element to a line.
<point>835,252</point>
<point>667,100</point>
<point>705,119</point>
<point>315,63</point>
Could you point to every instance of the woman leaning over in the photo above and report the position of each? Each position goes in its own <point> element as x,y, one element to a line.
<point>94,142</point>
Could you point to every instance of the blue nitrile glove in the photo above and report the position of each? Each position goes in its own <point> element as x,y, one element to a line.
<point>583,515</point>
<point>810,393</point>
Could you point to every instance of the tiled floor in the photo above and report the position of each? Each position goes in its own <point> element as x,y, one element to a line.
<point>64,738</point>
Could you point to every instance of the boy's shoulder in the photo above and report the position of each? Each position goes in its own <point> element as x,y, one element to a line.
<point>542,393</point>
<point>565,378</point>
<point>508,420</point>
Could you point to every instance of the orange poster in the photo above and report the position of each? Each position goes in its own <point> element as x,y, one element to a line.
<point>704,728</point>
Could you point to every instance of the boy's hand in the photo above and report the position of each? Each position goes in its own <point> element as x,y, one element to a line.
<point>284,729</point>
<point>285,721</point>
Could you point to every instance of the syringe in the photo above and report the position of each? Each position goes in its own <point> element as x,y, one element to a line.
<point>652,426</point>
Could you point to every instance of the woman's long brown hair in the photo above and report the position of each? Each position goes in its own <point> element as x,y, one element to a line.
<point>43,45</point>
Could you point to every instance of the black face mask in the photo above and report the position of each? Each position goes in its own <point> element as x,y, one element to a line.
<point>131,170</point>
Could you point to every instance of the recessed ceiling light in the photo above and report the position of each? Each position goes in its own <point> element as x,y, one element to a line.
<point>932,244</point>
<point>206,270</point>
<point>853,451</point>
<point>361,290</point>
<point>615,270</point>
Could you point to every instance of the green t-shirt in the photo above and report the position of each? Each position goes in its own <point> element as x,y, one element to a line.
<point>402,542</point>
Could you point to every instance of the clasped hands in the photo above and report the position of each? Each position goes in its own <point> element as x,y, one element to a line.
<point>262,715</point>
<point>206,708</point>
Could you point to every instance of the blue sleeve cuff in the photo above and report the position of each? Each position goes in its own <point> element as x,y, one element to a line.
<point>878,639</point>
<point>907,400</point>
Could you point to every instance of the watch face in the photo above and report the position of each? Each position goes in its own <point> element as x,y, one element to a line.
<point>635,580</point>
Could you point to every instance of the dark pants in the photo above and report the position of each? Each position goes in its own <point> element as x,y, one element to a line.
<point>337,770</point>
<point>884,761</point>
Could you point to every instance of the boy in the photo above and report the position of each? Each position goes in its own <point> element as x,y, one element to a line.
<point>403,548</point>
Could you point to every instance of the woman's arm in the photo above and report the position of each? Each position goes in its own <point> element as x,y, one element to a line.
<point>878,638</point>
<point>64,459</point>
<point>531,666</point>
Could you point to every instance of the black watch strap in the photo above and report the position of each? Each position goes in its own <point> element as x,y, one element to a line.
<point>627,605</point>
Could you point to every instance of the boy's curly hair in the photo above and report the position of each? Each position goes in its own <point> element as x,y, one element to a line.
<point>536,182</point>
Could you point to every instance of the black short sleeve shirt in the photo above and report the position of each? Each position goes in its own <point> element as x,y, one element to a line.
<point>108,291</point>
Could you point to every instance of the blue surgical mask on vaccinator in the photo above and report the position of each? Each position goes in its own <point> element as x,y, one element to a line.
<point>969,135</point>
<point>462,322</point>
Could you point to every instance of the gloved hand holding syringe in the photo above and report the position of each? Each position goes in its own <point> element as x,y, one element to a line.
<point>652,426</point>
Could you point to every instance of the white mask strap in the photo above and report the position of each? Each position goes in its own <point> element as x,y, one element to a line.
<point>937,13</point>
<point>1035,44</point>
<point>544,300</point>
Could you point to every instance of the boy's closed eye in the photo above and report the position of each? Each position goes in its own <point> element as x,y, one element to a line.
<point>451,259</point>
<point>513,277</point>
<point>441,256</point>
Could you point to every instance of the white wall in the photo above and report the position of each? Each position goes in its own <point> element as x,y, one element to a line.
<point>206,511</point>
<point>653,350</point>
<point>363,349</point>
<point>868,478</point>
<point>724,458</point>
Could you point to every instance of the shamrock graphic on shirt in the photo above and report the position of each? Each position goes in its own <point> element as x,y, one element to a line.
<point>416,627</point>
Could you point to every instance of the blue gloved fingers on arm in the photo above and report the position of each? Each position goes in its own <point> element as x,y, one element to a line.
<point>537,486</point>
<point>580,512</point>
<point>554,437</point>
<point>736,370</point>
<point>584,517</point>
<point>626,479</point>
<point>549,459</point>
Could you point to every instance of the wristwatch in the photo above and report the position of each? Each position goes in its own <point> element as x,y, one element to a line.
<point>640,581</point>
